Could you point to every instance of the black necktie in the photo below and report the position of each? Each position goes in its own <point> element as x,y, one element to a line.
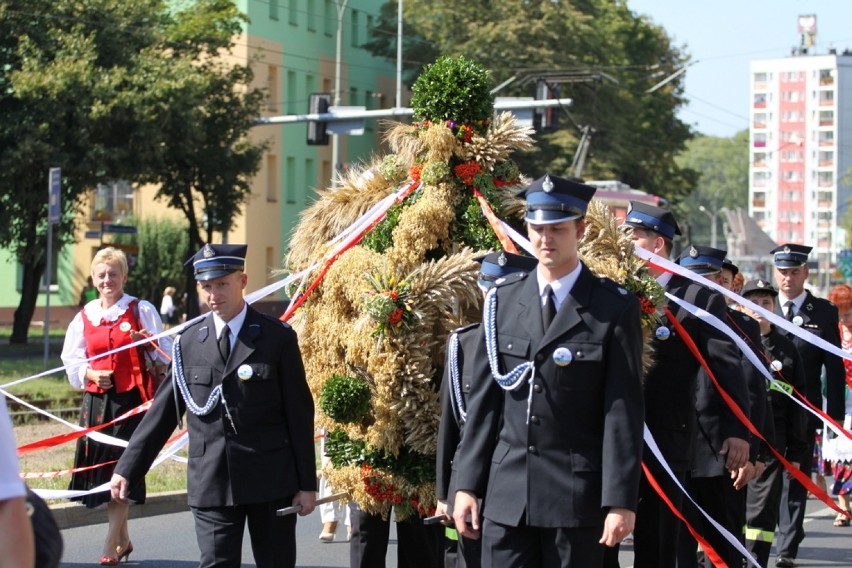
<point>225,344</point>
<point>790,309</point>
<point>548,312</point>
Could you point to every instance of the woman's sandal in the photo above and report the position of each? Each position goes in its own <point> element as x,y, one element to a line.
<point>841,520</point>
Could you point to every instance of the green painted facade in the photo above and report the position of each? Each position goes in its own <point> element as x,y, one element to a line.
<point>307,33</point>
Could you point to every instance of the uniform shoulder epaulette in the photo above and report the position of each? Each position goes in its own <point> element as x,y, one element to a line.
<point>510,279</point>
<point>612,286</point>
<point>740,315</point>
<point>466,328</point>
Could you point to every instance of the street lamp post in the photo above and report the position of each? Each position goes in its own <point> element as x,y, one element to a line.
<point>712,215</point>
<point>335,138</point>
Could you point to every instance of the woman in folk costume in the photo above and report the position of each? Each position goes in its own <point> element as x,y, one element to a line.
<point>114,384</point>
<point>838,450</point>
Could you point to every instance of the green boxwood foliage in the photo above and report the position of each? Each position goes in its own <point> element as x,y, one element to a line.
<point>453,88</point>
<point>345,399</point>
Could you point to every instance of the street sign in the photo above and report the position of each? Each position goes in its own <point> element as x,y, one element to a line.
<point>844,262</point>
<point>129,249</point>
<point>54,189</point>
<point>353,126</point>
<point>120,229</point>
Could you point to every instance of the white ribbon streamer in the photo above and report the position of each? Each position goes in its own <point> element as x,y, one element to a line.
<point>652,445</point>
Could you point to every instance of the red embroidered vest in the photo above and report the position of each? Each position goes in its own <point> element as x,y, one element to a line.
<point>127,371</point>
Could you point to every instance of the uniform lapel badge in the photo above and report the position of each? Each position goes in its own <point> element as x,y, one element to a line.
<point>798,320</point>
<point>562,356</point>
<point>547,185</point>
<point>245,372</point>
<point>124,326</point>
<point>776,366</point>
<point>662,333</point>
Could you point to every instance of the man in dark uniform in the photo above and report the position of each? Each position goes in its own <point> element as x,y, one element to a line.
<point>764,493</point>
<point>819,317</point>
<point>670,387</point>
<point>455,388</point>
<point>716,490</point>
<point>556,402</point>
<point>250,421</point>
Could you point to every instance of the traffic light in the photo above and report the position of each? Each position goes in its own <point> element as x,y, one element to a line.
<point>317,134</point>
<point>546,119</point>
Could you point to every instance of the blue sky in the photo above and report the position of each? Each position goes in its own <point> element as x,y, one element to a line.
<point>723,36</point>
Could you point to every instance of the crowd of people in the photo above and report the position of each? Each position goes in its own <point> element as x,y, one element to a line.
<point>540,451</point>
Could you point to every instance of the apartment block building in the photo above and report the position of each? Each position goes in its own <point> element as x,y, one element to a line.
<point>800,153</point>
<point>293,49</point>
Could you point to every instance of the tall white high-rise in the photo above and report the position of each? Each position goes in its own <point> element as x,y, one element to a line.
<point>800,148</point>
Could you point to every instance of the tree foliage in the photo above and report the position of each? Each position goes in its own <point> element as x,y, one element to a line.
<point>163,249</point>
<point>109,89</point>
<point>722,166</point>
<point>636,134</point>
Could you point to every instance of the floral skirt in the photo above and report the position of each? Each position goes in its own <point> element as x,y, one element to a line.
<point>98,409</point>
<point>842,478</point>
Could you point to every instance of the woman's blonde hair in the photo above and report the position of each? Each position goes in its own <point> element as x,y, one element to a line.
<point>169,290</point>
<point>110,255</point>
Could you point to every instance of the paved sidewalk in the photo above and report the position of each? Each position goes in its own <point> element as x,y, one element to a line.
<point>71,515</point>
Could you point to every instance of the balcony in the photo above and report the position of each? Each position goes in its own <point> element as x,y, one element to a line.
<point>826,102</point>
<point>758,203</point>
<point>826,163</point>
<point>825,204</point>
<point>760,143</point>
<point>760,164</point>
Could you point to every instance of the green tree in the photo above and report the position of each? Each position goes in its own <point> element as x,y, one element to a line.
<point>99,88</point>
<point>722,166</point>
<point>163,249</point>
<point>604,56</point>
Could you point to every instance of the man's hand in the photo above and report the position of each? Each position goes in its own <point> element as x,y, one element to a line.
<point>118,486</point>
<point>618,524</point>
<point>736,449</point>
<point>308,501</point>
<point>796,465</point>
<point>743,475</point>
<point>441,509</point>
<point>466,506</point>
<point>759,468</point>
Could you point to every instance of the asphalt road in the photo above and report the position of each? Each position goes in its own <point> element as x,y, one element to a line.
<point>168,541</point>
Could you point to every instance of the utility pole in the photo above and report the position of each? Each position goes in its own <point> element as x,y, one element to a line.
<point>399,55</point>
<point>335,139</point>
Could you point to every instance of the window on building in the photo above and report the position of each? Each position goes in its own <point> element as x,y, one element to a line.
<point>759,179</point>
<point>310,178</point>
<point>271,178</point>
<point>353,96</point>
<point>293,12</point>
<point>825,138</point>
<point>329,17</point>
<point>312,15</point>
<point>290,176</point>
<point>826,77</point>
<point>825,179</point>
<point>291,92</point>
<point>355,28</point>
<point>759,159</point>
<point>760,77</point>
<point>273,9</point>
<point>759,120</point>
<point>825,158</point>
<point>759,140</point>
<point>826,98</point>
<point>760,100</point>
<point>370,24</point>
<point>272,264</point>
<point>272,89</point>
<point>112,202</point>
